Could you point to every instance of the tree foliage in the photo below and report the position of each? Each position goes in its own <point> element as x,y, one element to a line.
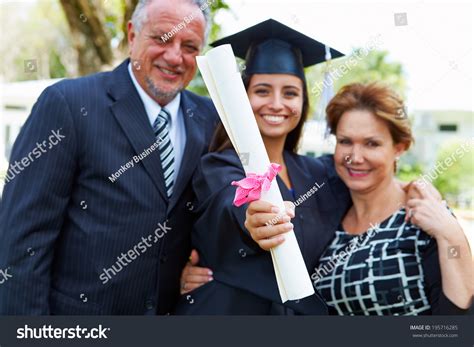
<point>458,177</point>
<point>69,38</point>
<point>361,66</point>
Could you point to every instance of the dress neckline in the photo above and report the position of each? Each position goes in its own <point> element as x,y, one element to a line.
<point>376,225</point>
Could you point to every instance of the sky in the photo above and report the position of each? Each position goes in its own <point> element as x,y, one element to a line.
<point>433,41</point>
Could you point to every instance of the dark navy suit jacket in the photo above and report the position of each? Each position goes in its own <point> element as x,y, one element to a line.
<point>244,279</point>
<point>64,221</point>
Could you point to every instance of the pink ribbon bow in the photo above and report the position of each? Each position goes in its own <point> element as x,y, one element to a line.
<point>250,188</point>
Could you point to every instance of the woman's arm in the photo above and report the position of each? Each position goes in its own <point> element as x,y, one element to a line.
<point>264,225</point>
<point>455,256</point>
<point>220,224</point>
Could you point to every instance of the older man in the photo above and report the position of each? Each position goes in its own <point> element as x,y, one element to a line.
<point>100,222</point>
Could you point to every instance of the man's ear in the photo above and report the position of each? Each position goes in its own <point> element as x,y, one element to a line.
<point>130,35</point>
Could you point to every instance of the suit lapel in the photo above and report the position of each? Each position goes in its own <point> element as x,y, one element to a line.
<point>195,142</point>
<point>130,113</point>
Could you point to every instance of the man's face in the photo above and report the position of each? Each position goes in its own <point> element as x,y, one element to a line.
<point>164,67</point>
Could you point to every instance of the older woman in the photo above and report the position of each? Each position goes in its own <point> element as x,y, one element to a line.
<point>390,255</point>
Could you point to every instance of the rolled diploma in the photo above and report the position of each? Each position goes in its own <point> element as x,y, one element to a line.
<point>224,83</point>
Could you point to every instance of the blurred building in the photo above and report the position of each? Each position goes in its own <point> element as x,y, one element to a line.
<point>434,128</point>
<point>16,101</point>
<point>316,141</point>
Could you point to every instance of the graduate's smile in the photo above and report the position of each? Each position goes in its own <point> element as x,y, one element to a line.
<point>273,119</point>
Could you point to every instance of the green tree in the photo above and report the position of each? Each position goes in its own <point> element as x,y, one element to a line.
<point>458,177</point>
<point>89,33</point>
<point>34,35</point>
<point>375,67</point>
<point>409,172</point>
<point>69,38</point>
<point>197,84</point>
<point>360,66</point>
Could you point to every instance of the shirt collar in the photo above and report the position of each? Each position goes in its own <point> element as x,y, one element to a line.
<point>152,108</point>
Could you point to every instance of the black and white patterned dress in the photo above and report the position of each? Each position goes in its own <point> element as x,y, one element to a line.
<point>392,269</point>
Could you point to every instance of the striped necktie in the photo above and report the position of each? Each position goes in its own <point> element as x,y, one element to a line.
<point>160,127</point>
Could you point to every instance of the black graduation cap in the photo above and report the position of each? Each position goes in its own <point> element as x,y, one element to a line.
<point>277,49</point>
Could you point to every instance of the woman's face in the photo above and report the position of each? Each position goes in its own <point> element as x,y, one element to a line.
<point>365,152</point>
<point>277,102</point>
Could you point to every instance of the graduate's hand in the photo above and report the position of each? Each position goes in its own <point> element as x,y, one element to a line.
<point>194,276</point>
<point>427,211</point>
<point>267,225</point>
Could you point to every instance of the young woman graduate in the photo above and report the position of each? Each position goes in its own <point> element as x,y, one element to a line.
<point>243,276</point>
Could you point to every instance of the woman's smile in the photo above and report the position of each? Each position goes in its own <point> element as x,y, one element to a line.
<point>357,173</point>
<point>273,119</point>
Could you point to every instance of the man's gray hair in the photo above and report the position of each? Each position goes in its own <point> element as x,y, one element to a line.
<point>140,14</point>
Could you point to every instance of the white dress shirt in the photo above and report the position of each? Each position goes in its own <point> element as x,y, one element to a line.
<point>177,130</point>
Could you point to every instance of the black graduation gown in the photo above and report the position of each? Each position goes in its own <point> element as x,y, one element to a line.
<point>244,279</point>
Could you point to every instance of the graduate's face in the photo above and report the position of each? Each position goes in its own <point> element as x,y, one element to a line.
<point>365,152</point>
<point>164,65</point>
<point>277,102</point>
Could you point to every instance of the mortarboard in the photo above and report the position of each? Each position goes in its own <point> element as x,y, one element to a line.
<point>277,49</point>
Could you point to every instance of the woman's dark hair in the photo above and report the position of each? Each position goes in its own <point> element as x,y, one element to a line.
<point>220,140</point>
